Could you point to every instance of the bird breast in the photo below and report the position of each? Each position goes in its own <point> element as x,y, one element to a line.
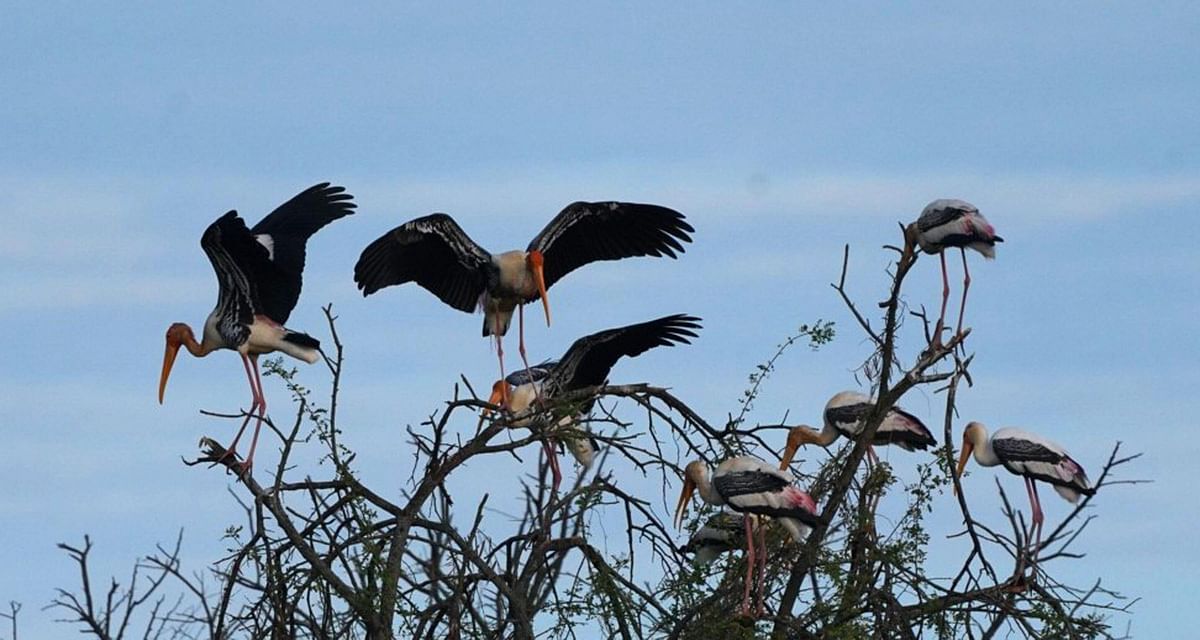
<point>515,280</point>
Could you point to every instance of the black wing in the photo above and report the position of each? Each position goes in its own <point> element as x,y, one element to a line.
<point>432,251</point>
<point>585,232</point>
<point>903,429</point>
<point>283,233</point>
<point>535,373</point>
<point>235,256</point>
<point>940,212</point>
<point>590,358</point>
<point>740,483</point>
<point>845,417</point>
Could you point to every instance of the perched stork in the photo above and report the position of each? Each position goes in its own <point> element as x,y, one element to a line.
<point>949,223</point>
<point>845,414</point>
<point>585,364</point>
<point>1033,458</point>
<point>750,486</point>
<point>259,278</point>
<point>722,533</point>
<point>437,254</point>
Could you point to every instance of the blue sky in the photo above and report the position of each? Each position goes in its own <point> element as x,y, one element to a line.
<point>783,131</point>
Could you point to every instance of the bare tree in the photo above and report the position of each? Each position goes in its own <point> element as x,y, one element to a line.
<point>330,557</point>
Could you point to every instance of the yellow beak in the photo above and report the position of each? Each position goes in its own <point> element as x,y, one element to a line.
<point>684,496</point>
<point>789,452</point>
<point>498,398</point>
<point>168,362</point>
<point>962,460</point>
<point>539,277</point>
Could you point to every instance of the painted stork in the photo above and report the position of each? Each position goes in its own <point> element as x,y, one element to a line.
<point>437,254</point>
<point>750,486</point>
<point>844,415</point>
<point>585,364</point>
<point>1030,456</point>
<point>947,223</point>
<point>259,278</point>
<point>722,532</point>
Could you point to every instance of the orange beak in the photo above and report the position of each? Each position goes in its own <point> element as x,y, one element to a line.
<point>684,497</point>
<point>789,452</point>
<point>168,362</point>
<point>962,460</point>
<point>499,398</point>
<point>536,263</point>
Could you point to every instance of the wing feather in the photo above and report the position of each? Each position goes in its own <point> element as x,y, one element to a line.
<point>235,256</point>
<point>591,357</point>
<point>284,233</point>
<point>432,251</point>
<point>586,232</point>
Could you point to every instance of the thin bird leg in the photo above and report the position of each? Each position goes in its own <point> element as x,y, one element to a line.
<point>552,461</point>
<point>1032,510</point>
<point>937,332</point>
<point>537,390</point>
<point>262,415</point>
<point>1038,518</point>
<point>872,459</point>
<point>249,412</point>
<point>500,355</point>
<point>749,565</point>
<point>762,567</point>
<point>966,285</point>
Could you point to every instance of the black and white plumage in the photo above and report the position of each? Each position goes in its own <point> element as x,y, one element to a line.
<point>948,223</point>
<point>1030,456</point>
<point>586,363</point>
<point>722,533</point>
<point>846,412</point>
<point>259,280</point>
<point>437,254</point>
<point>750,486</point>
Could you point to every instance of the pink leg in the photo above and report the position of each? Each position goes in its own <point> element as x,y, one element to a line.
<point>262,415</point>
<point>254,395</point>
<point>966,285</point>
<point>937,338</point>
<point>500,355</point>
<point>1038,517</point>
<point>1032,508</point>
<point>749,565</point>
<point>537,390</point>
<point>762,567</point>
<point>552,461</point>
<point>872,459</point>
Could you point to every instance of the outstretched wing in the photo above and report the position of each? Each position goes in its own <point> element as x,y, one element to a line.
<point>432,251</point>
<point>284,234</point>
<point>235,255</point>
<point>590,358</point>
<point>586,232</point>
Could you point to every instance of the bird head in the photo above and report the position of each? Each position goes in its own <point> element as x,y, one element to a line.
<point>797,437</point>
<point>691,478</point>
<point>177,335</point>
<point>501,391</point>
<point>536,262</point>
<point>971,436</point>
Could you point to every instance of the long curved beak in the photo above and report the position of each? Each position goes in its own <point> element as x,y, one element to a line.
<point>497,398</point>
<point>684,496</point>
<point>789,452</point>
<point>168,362</point>
<point>539,277</point>
<point>962,460</point>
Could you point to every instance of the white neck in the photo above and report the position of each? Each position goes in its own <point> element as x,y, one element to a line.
<point>706,490</point>
<point>985,455</point>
